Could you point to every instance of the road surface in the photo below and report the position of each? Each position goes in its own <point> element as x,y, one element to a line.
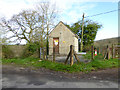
<point>17,77</point>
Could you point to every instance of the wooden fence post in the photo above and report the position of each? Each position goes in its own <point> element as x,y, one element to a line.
<point>92,52</point>
<point>53,54</point>
<point>105,54</point>
<point>40,53</point>
<point>71,55</point>
<point>67,57</point>
<point>108,52</point>
<point>43,53</point>
<point>113,51</point>
<point>76,56</point>
<point>103,51</point>
<point>118,51</point>
<point>46,55</point>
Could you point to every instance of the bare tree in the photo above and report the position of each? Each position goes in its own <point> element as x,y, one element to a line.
<point>23,25</point>
<point>3,38</point>
<point>31,25</point>
<point>49,14</point>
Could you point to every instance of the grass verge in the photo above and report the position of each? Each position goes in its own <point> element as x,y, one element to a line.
<point>77,67</point>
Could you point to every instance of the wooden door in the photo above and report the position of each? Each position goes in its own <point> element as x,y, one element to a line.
<point>56,45</point>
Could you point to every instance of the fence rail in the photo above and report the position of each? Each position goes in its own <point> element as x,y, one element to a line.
<point>112,51</point>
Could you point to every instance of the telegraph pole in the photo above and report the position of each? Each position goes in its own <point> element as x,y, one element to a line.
<point>47,46</point>
<point>81,46</point>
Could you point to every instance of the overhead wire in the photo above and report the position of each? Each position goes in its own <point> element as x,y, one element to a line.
<point>102,13</point>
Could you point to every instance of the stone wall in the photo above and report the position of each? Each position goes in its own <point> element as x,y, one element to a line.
<point>66,38</point>
<point>16,50</point>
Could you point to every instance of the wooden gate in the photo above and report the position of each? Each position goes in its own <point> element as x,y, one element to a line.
<point>56,45</point>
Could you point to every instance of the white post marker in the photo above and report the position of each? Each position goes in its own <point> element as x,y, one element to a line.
<point>95,52</point>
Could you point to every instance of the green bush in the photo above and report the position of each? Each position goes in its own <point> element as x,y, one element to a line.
<point>7,52</point>
<point>31,48</point>
<point>87,48</point>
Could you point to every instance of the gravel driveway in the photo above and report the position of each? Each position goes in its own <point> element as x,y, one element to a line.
<point>63,58</point>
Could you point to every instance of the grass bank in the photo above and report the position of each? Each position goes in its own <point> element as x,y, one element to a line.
<point>77,67</point>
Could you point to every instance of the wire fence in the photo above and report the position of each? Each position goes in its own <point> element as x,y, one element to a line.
<point>113,50</point>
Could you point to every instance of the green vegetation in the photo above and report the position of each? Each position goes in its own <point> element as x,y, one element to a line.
<point>77,67</point>
<point>21,51</point>
<point>90,31</point>
<point>87,55</point>
<point>98,57</point>
<point>30,50</point>
<point>6,52</point>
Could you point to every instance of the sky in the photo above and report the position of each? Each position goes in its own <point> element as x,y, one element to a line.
<point>70,11</point>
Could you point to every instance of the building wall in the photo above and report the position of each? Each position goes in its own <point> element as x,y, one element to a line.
<point>76,44</point>
<point>66,38</point>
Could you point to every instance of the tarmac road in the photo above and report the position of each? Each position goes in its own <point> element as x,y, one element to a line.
<point>48,81</point>
<point>16,77</point>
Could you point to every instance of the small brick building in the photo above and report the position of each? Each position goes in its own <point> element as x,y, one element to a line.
<point>61,37</point>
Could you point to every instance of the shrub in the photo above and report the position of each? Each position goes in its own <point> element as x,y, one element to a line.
<point>31,48</point>
<point>7,52</point>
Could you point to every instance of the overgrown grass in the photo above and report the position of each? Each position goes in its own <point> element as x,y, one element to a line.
<point>77,67</point>
<point>24,61</point>
<point>97,57</point>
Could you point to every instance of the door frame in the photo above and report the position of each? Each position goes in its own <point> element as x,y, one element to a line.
<point>58,43</point>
